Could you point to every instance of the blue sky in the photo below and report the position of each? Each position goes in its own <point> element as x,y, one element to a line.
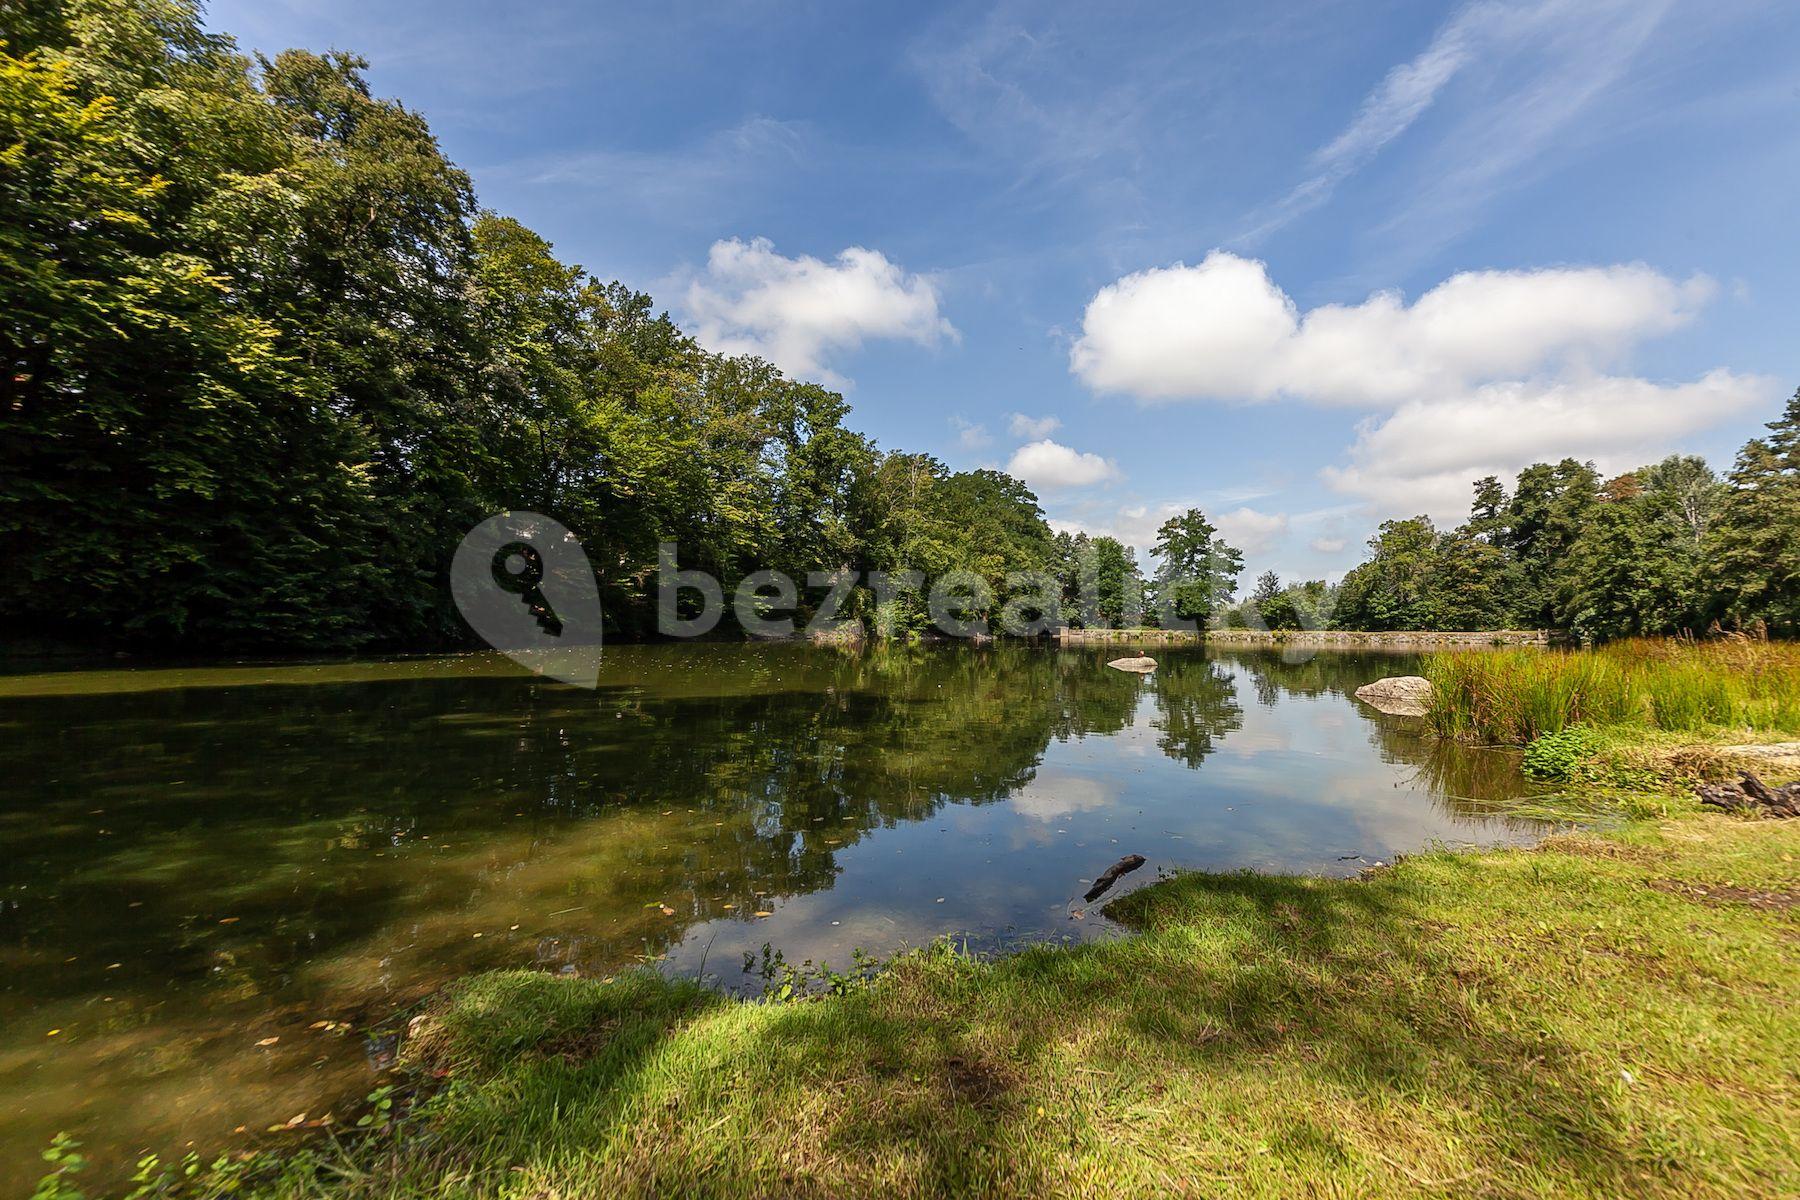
<point>1305,265</point>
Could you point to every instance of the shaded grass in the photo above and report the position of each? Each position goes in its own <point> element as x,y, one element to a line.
<point>1595,1017</point>
<point>1514,696</point>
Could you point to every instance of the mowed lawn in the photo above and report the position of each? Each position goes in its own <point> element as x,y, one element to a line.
<point>1612,1014</point>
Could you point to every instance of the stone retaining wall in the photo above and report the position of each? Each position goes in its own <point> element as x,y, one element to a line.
<point>1399,637</point>
<point>1411,638</point>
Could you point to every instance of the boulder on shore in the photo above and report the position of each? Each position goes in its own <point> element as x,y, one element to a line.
<point>1143,664</point>
<point>1397,695</point>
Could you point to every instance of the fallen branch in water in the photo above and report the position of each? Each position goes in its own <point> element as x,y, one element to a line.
<point>1110,876</point>
<point>1751,795</point>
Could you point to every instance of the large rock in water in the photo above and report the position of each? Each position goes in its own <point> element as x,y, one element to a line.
<point>1397,695</point>
<point>1143,664</point>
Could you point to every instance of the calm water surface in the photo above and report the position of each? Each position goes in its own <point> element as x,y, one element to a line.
<point>197,861</point>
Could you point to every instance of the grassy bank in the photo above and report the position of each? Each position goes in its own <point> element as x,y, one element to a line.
<point>1607,1015</point>
<point>1717,687</point>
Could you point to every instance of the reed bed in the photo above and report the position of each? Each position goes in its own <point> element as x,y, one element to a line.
<point>1513,696</point>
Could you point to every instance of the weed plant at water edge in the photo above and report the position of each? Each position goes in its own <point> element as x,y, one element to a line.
<point>1514,696</point>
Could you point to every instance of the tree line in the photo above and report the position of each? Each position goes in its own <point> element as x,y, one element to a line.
<point>267,360</point>
<point>1666,549</point>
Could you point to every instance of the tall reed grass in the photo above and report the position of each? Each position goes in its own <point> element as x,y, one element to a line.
<point>1512,696</point>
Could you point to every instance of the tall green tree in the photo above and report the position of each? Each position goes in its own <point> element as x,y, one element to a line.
<point>1754,544</point>
<point>1549,506</point>
<point>1394,589</point>
<point>1276,607</point>
<point>1196,570</point>
<point>202,486</point>
<point>1635,569</point>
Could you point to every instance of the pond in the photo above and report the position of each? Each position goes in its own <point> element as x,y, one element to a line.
<point>218,880</point>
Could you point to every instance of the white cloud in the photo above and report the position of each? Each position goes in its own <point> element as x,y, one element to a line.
<point>1424,457</point>
<point>1224,330</point>
<point>969,435</point>
<point>798,312</point>
<point>1484,373</point>
<point>1545,67</point>
<point>1524,71</point>
<point>1326,545</point>
<point>1048,464</point>
<point>1405,93</point>
<point>1053,795</point>
<point>1032,428</point>
<point>1250,531</point>
<point>684,181</point>
<point>1386,113</point>
<point>1135,525</point>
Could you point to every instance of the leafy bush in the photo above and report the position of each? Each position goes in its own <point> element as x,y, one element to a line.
<point>1558,755</point>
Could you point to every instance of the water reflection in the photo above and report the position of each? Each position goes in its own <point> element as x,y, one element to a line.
<point>200,861</point>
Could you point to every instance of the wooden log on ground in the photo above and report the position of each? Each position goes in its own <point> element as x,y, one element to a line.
<point>1751,795</point>
<point>1110,876</point>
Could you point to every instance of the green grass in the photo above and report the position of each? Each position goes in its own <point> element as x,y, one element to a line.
<point>1514,696</point>
<point>1607,1015</point>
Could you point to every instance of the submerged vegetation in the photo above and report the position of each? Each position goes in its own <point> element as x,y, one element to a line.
<point>1601,1016</point>
<point>1514,696</point>
<point>264,359</point>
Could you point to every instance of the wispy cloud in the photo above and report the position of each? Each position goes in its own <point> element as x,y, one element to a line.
<point>1529,69</point>
<point>1077,115</point>
<point>675,179</point>
<point>1032,428</point>
<point>971,435</point>
<point>1386,113</point>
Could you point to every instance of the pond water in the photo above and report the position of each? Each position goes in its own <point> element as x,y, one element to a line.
<point>200,867</point>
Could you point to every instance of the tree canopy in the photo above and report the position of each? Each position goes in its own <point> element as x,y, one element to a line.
<point>1667,548</point>
<point>267,360</point>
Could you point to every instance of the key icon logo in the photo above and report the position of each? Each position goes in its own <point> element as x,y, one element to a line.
<point>522,581</point>
<point>518,567</point>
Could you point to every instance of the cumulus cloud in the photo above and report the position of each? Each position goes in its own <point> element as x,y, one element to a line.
<point>1422,457</point>
<point>1223,330</point>
<point>1326,545</point>
<point>1048,464</point>
<point>1033,428</point>
<point>1251,531</point>
<point>1485,373</point>
<point>798,312</point>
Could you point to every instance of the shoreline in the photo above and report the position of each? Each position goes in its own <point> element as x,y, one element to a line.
<point>1399,639</point>
<point>1497,1018</point>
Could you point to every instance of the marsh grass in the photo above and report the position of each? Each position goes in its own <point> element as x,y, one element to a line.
<point>1514,696</point>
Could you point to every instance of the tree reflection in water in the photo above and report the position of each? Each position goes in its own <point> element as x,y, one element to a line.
<point>191,864</point>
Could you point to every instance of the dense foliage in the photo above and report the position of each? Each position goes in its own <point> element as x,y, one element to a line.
<point>1667,548</point>
<point>267,360</point>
